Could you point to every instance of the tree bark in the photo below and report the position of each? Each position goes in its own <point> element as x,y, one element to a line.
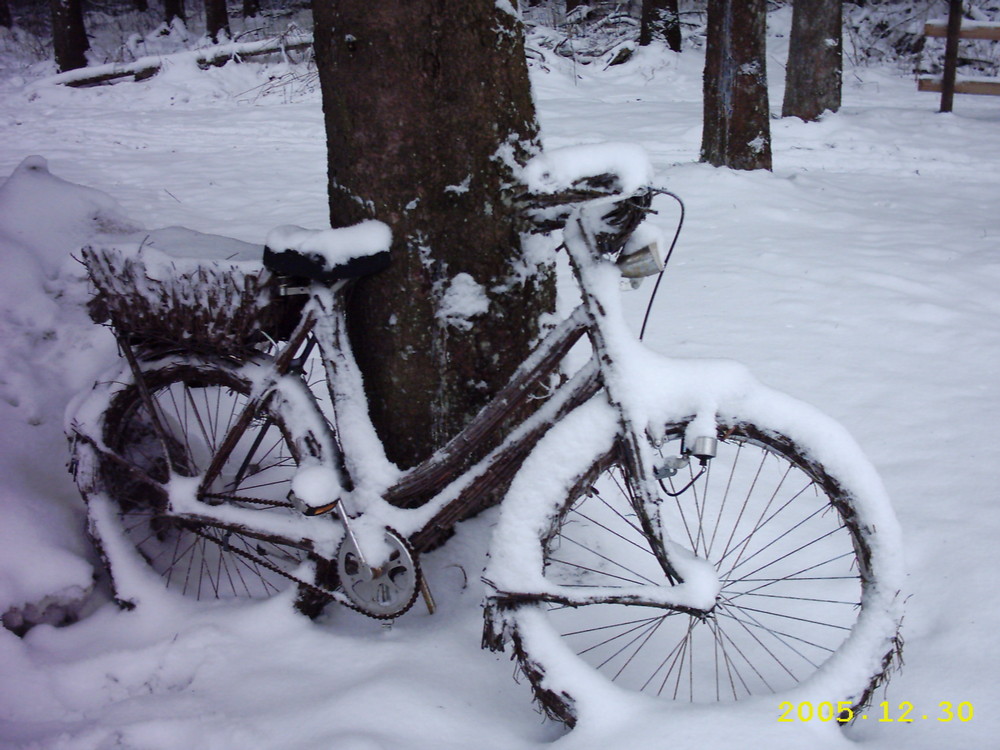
<point>6,17</point>
<point>69,38</point>
<point>217,20</point>
<point>815,59</point>
<point>428,111</point>
<point>173,9</point>
<point>736,130</point>
<point>251,8</point>
<point>660,19</point>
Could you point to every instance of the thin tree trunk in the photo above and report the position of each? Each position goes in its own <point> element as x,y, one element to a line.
<point>69,38</point>
<point>572,5</point>
<point>6,17</point>
<point>413,143</point>
<point>660,19</point>
<point>815,59</point>
<point>251,8</point>
<point>217,20</point>
<point>173,9</point>
<point>736,131</point>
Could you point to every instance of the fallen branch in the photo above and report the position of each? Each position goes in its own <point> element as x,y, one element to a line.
<point>146,67</point>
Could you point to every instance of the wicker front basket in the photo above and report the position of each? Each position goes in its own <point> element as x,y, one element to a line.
<point>206,307</point>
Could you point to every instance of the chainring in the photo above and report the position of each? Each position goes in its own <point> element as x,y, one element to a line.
<point>385,592</point>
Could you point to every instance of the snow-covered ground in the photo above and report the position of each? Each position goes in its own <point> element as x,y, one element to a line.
<point>861,275</point>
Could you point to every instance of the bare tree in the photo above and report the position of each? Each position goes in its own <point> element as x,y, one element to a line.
<point>216,20</point>
<point>69,37</point>
<point>736,130</point>
<point>428,111</point>
<point>660,18</point>
<point>815,59</point>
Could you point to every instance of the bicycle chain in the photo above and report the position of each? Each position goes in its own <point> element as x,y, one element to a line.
<point>244,499</point>
<point>330,596</point>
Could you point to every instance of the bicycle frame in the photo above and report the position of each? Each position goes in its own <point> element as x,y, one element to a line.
<point>424,503</point>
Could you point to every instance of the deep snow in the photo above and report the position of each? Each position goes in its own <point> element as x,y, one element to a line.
<point>860,275</point>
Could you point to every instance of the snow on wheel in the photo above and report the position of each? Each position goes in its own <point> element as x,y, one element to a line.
<point>196,403</point>
<point>802,598</point>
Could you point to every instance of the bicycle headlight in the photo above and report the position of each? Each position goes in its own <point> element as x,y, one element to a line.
<point>646,261</point>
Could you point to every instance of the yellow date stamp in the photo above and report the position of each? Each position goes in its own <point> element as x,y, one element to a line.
<point>843,712</point>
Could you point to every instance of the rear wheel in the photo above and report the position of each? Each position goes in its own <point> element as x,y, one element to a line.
<point>796,566</point>
<point>196,403</point>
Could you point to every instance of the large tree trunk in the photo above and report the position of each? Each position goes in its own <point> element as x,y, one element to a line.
<point>815,59</point>
<point>660,19</point>
<point>216,20</point>
<point>736,130</point>
<point>69,38</point>
<point>427,106</point>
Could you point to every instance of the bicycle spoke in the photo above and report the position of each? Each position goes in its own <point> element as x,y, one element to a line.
<point>731,667</point>
<point>781,640</point>
<point>198,409</point>
<point>751,488</point>
<point>625,519</point>
<point>678,653</point>
<point>740,560</point>
<point>797,575</point>
<point>598,628</point>
<point>761,522</point>
<point>615,533</point>
<point>777,634</point>
<point>795,598</point>
<point>610,560</point>
<point>794,551</point>
<point>652,628</point>
<point>744,608</point>
<point>724,500</point>
<point>749,662</point>
<point>596,571</point>
<point>639,626</point>
<point>671,657</point>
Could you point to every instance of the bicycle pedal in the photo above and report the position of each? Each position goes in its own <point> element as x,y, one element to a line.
<point>321,510</point>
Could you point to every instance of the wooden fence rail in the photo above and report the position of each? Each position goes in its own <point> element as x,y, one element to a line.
<point>954,30</point>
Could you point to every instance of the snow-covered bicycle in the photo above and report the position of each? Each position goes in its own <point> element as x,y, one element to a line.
<point>669,526</point>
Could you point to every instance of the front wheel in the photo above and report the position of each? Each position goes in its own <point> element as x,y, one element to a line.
<point>803,597</point>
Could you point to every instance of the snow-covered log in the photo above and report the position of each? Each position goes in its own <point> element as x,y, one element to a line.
<point>146,67</point>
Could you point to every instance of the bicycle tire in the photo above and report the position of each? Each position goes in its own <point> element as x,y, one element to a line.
<point>197,400</point>
<point>813,611</point>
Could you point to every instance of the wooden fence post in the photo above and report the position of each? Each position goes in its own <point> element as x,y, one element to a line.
<point>951,55</point>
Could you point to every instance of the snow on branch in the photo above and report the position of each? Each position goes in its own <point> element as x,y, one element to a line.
<point>146,67</point>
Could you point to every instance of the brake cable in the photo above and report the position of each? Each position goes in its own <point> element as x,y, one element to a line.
<point>670,251</point>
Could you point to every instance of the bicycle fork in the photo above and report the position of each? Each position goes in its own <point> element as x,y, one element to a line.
<point>679,566</point>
